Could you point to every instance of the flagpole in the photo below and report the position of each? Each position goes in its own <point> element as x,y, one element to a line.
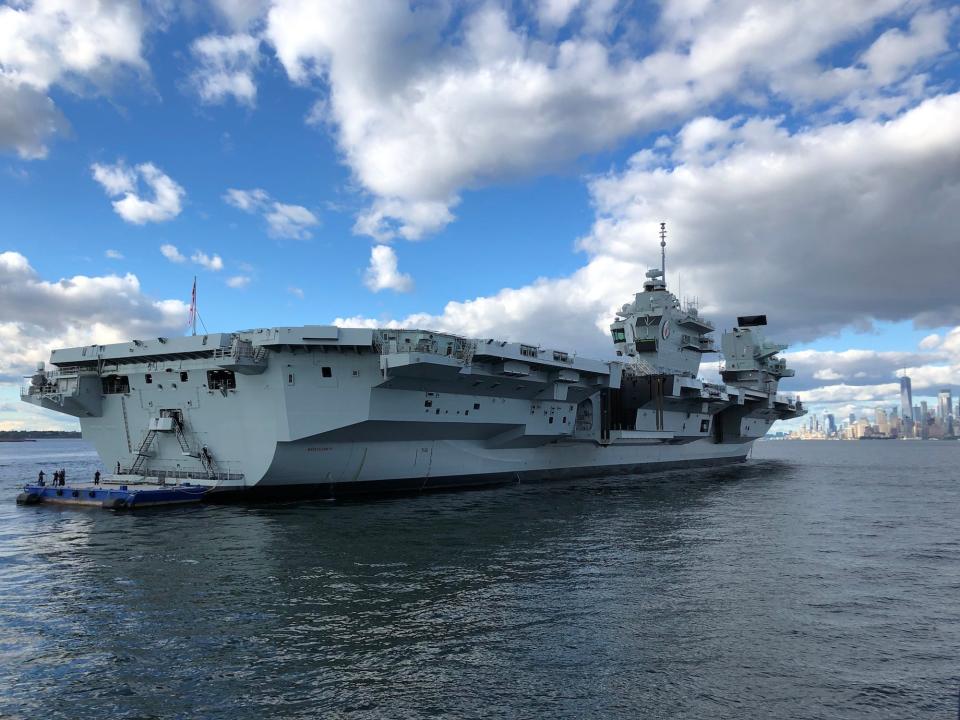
<point>193,306</point>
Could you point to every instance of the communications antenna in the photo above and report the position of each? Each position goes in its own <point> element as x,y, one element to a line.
<point>663,250</point>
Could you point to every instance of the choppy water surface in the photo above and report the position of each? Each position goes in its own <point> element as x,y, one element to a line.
<point>822,580</point>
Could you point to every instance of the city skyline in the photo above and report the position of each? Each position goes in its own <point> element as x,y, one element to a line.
<point>906,421</point>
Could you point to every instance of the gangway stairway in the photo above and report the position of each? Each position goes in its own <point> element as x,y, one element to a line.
<point>165,423</point>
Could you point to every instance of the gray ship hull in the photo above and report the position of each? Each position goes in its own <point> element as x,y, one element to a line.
<point>375,467</point>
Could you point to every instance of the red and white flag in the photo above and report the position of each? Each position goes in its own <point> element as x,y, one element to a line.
<point>192,318</point>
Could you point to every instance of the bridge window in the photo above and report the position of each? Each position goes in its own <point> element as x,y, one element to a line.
<point>221,380</point>
<point>619,335</point>
<point>116,384</point>
<point>528,350</point>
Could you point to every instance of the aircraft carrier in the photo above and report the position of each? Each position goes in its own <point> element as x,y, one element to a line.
<point>326,410</point>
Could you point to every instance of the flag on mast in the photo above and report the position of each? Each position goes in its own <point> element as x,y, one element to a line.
<point>192,320</point>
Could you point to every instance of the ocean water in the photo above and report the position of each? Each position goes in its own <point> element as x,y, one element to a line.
<point>820,580</point>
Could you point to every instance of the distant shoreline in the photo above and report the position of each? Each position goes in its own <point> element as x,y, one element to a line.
<point>34,435</point>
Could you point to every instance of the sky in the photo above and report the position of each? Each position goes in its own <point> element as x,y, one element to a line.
<point>495,169</point>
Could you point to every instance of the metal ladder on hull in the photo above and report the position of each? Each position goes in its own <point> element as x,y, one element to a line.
<point>204,456</point>
<point>143,452</point>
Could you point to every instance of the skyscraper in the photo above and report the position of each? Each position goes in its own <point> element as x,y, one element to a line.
<point>944,405</point>
<point>883,424</point>
<point>906,398</point>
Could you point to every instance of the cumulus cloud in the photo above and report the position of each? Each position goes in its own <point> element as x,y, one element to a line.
<point>214,263</point>
<point>383,274</point>
<point>171,253</point>
<point>283,220</point>
<point>930,341</point>
<point>28,118</point>
<point>800,225</point>
<point>37,314</point>
<point>225,68</point>
<point>240,14</point>
<point>113,255</point>
<point>803,224</point>
<point>238,281</point>
<point>76,45</point>
<point>896,51</point>
<point>426,102</point>
<point>118,179</point>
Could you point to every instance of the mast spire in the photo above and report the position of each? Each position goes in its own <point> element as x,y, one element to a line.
<point>663,250</point>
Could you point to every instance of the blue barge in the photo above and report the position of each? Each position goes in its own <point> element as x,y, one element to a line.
<point>114,497</point>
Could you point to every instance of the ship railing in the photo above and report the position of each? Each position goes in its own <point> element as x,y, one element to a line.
<point>239,352</point>
<point>48,390</point>
<point>45,383</point>
<point>164,476</point>
<point>387,342</point>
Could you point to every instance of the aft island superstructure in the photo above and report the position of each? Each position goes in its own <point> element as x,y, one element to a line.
<point>334,410</point>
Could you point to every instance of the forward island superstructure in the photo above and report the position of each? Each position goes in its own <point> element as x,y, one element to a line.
<point>322,409</point>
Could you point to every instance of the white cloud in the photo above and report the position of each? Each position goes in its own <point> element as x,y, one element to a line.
<point>214,263</point>
<point>246,200</point>
<point>895,52</point>
<point>225,67</point>
<point>115,179</point>
<point>803,223</point>
<point>571,313</point>
<point>113,254</point>
<point>383,273</point>
<point>289,221</point>
<point>240,14</point>
<point>37,315</point>
<point>930,342</point>
<point>798,225</point>
<point>118,179</point>
<point>426,102</point>
<point>171,253</point>
<point>28,118</point>
<point>411,220</point>
<point>238,281</point>
<point>296,292</point>
<point>77,45</point>
<point>283,220</point>
<point>556,13</point>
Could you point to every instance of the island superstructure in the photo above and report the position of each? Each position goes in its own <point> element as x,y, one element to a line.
<point>333,410</point>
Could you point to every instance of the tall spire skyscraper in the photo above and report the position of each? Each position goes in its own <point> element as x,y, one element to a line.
<point>907,414</point>
<point>906,399</point>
